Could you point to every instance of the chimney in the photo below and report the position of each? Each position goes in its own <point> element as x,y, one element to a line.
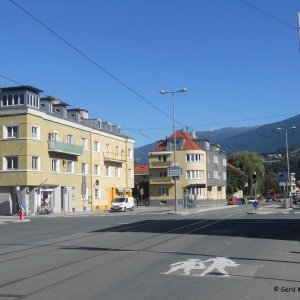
<point>194,133</point>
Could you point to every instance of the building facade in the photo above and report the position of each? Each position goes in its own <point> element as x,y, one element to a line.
<point>55,155</point>
<point>286,185</point>
<point>203,171</point>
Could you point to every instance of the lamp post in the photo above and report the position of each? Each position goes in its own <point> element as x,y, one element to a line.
<point>183,90</point>
<point>287,157</point>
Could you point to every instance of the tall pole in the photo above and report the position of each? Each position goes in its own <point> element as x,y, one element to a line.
<point>288,181</point>
<point>287,162</point>
<point>183,90</point>
<point>174,139</point>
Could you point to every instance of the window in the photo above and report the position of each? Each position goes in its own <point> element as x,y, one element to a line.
<point>54,136</point>
<point>107,148</point>
<point>11,132</point>
<point>69,139</point>
<point>12,162</point>
<point>55,165</point>
<point>35,132</point>
<point>163,174</point>
<point>35,163</point>
<point>84,143</point>
<point>96,146</point>
<point>84,168</point>
<point>195,174</point>
<point>216,174</point>
<point>97,193</point>
<point>4,100</point>
<point>22,99</point>
<point>162,157</point>
<point>117,151</point>
<point>70,166</point>
<point>9,100</point>
<point>16,99</point>
<point>194,158</point>
<point>216,159</point>
<point>224,176</point>
<point>224,162</point>
<point>96,170</point>
<point>163,191</point>
<point>73,193</point>
<point>118,172</point>
<point>130,173</point>
<point>130,153</point>
<point>196,191</point>
<point>107,171</point>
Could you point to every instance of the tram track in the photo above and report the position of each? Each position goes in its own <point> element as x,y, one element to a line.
<point>188,228</point>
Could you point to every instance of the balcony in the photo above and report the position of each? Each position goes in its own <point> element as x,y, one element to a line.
<point>114,157</point>
<point>160,180</point>
<point>160,164</point>
<point>55,146</point>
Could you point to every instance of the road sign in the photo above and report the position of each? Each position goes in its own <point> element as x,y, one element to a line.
<point>174,171</point>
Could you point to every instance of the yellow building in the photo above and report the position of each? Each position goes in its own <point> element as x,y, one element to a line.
<point>203,175</point>
<point>55,156</point>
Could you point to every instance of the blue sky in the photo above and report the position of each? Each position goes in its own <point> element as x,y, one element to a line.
<point>238,59</point>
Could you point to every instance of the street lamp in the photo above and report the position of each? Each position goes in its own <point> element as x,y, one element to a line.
<point>183,90</point>
<point>287,156</point>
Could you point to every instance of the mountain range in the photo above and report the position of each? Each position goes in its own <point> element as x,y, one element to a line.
<point>262,139</point>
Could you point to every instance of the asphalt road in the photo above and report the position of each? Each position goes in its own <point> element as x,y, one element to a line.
<point>224,254</point>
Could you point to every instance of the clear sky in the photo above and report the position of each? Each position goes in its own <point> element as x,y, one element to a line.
<point>238,59</point>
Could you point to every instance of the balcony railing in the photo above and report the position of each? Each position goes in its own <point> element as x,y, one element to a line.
<point>160,164</point>
<point>112,156</point>
<point>159,180</point>
<point>55,146</point>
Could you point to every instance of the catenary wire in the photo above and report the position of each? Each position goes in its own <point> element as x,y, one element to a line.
<point>268,14</point>
<point>138,131</point>
<point>85,56</point>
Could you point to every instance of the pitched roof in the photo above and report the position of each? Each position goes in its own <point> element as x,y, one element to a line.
<point>141,170</point>
<point>188,145</point>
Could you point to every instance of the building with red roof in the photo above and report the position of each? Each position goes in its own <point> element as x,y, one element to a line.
<point>203,166</point>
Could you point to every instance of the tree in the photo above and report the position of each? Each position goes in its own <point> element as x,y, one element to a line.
<point>236,180</point>
<point>270,184</point>
<point>249,163</point>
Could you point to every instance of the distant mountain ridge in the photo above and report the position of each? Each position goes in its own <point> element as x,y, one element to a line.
<point>261,139</point>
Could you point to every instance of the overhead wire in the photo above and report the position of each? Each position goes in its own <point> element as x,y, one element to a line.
<point>139,131</point>
<point>268,14</point>
<point>85,56</point>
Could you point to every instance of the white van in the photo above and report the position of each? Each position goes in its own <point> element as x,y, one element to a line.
<point>122,204</point>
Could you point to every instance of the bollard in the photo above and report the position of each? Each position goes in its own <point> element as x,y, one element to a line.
<point>21,214</point>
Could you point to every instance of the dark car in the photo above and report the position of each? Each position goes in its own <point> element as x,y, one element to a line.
<point>241,201</point>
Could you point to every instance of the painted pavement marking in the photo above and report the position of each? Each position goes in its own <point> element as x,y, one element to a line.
<point>214,266</point>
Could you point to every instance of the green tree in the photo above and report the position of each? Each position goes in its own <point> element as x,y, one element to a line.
<point>270,184</point>
<point>249,163</point>
<point>236,180</point>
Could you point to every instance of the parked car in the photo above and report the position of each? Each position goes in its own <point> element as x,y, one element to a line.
<point>241,201</point>
<point>229,201</point>
<point>122,204</point>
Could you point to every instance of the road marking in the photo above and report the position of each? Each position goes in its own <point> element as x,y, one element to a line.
<point>191,267</point>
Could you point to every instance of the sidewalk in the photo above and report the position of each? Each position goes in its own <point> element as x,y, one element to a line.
<point>268,209</point>
<point>13,219</point>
